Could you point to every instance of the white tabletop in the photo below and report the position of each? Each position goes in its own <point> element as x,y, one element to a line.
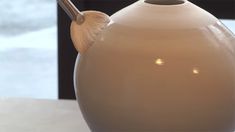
<point>28,115</point>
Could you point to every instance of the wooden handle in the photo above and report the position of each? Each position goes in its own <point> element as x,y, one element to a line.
<point>72,11</point>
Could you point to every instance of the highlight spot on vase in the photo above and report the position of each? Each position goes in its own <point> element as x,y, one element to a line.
<point>159,62</point>
<point>196,71</point>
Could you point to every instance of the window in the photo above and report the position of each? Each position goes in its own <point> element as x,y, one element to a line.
<point>28,49</point>
<point>230,23</point>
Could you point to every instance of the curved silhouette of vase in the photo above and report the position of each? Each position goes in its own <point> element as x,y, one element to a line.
<point>156,66</point>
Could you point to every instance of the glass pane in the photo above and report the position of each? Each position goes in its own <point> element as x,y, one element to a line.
<point>28,49</point>
<point>230,24</point>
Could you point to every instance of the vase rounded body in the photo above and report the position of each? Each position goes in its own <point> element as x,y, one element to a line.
<point>159,68</point>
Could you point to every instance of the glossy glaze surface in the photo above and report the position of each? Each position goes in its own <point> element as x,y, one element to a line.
<point>168,68</point>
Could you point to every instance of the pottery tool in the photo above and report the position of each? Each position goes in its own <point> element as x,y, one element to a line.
<point>85,26</point>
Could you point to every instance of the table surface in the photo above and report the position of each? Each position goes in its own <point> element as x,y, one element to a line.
<point>31,115</point>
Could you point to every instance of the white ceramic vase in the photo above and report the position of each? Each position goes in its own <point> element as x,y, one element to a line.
<point>159,66</point>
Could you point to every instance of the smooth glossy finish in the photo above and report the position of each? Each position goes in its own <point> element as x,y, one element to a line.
<point>159,68</point>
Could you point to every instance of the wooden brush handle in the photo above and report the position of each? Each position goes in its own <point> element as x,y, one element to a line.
<point>71,10</point>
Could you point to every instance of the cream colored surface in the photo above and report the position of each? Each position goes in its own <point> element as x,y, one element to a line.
<point>151,16</point>
<point>159,68</point>
<point>27,115</point>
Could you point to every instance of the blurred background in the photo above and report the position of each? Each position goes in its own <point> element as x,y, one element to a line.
<point>36,54</point>
<point>28,49</point>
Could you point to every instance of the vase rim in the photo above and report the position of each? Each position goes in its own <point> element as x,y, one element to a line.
<point>165,3</point>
